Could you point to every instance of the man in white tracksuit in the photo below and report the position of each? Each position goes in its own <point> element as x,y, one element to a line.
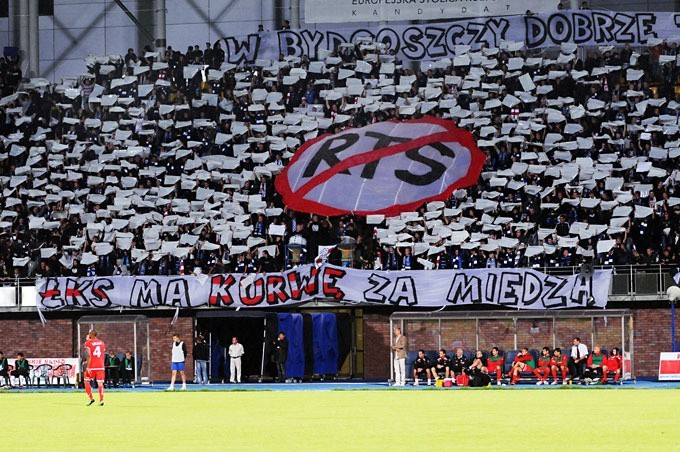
<point>235,353</point>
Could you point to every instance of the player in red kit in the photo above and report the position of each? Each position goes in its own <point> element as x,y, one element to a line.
<point>614,363</point>
<point>94,369</point>
<point>495,364</point>
<point>558,362</point>
<point>543,369</point>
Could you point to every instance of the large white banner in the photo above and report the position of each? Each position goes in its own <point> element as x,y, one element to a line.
<point>447,39</point>
<point>511,288</point>
<point>336,11</point>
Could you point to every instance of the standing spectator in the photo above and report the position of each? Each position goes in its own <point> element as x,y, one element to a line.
<point>421,368</point>
<point>236,351</point>
<point>112,366</point>
<point>128,369</point>
<point>281,356</point>
<point>399,347</point>
<point>577,359</point>
<point>201,356</point>
<point>4,367</point>
<point>21,369</point>
<point>179,353</point>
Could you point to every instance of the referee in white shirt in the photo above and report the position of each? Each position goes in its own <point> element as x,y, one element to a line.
<point>235,353</point>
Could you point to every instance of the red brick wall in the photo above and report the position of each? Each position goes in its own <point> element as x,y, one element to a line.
<point>29,337</point>
<point>652,335</point>
<point>376,345</point>
<point>23,332</point>
<point>161,345</point>
<point>56,340</point>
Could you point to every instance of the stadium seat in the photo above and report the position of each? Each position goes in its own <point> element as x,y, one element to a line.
<point>44,372</point>
<point>61,373</point>
<point>432,354</point>
<point>469,355</point>
<point>509,357</point>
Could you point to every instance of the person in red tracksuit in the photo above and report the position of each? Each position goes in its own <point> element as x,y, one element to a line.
<point>615,363</point>
<point>524,362</point>
<point>543,369</point>
<point>559,362</point>
<point>495,364</point>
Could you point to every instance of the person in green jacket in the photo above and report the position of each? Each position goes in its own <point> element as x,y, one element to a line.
<point>21,369</point>
<point>4,368</point>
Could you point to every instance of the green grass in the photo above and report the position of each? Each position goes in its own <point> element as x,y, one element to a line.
<point>346,420</point>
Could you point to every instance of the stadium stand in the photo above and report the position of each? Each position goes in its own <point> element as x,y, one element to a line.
<point>149,165</point>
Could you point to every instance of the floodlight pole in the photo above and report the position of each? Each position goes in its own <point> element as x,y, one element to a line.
<point>159,27</point>
<point>34,39</point>
<point>22,19</point>
<point>294,13</point>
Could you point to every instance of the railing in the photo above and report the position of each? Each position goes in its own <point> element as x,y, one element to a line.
<point>629,283</point>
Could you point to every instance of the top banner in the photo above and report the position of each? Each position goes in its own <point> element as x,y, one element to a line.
<point>335,11</point>
<point>423,42</point>
<point>507,287</point>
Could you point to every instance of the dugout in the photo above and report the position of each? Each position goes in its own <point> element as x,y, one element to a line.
<point>121,333</point>
<point>255,330</point>
<point>512,330</point>
<point>319,342</point>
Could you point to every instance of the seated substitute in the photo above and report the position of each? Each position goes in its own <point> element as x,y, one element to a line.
<point>543,369</point>
<point>459,363</point>
<point>421,369</point>
<point>558,362</point>
<point>524,362</point>
<point>112,365</point>
<point>577,359</point>
<point>21,369</point>
<point>127,368</point>
<point>615,363</point>
<point>495,364</point>
<point>442,366</point>
<point>4,369</point>
<point>479,363</point>
<point>596,367</point>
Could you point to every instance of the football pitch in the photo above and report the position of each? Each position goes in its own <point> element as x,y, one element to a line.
<point>547,419</point>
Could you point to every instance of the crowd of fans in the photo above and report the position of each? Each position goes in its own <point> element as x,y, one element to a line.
<point>164,164</point>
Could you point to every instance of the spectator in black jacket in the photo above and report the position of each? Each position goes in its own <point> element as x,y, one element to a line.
<point>201,357</point>
<point>280,356</point>
<point>459,363</point>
